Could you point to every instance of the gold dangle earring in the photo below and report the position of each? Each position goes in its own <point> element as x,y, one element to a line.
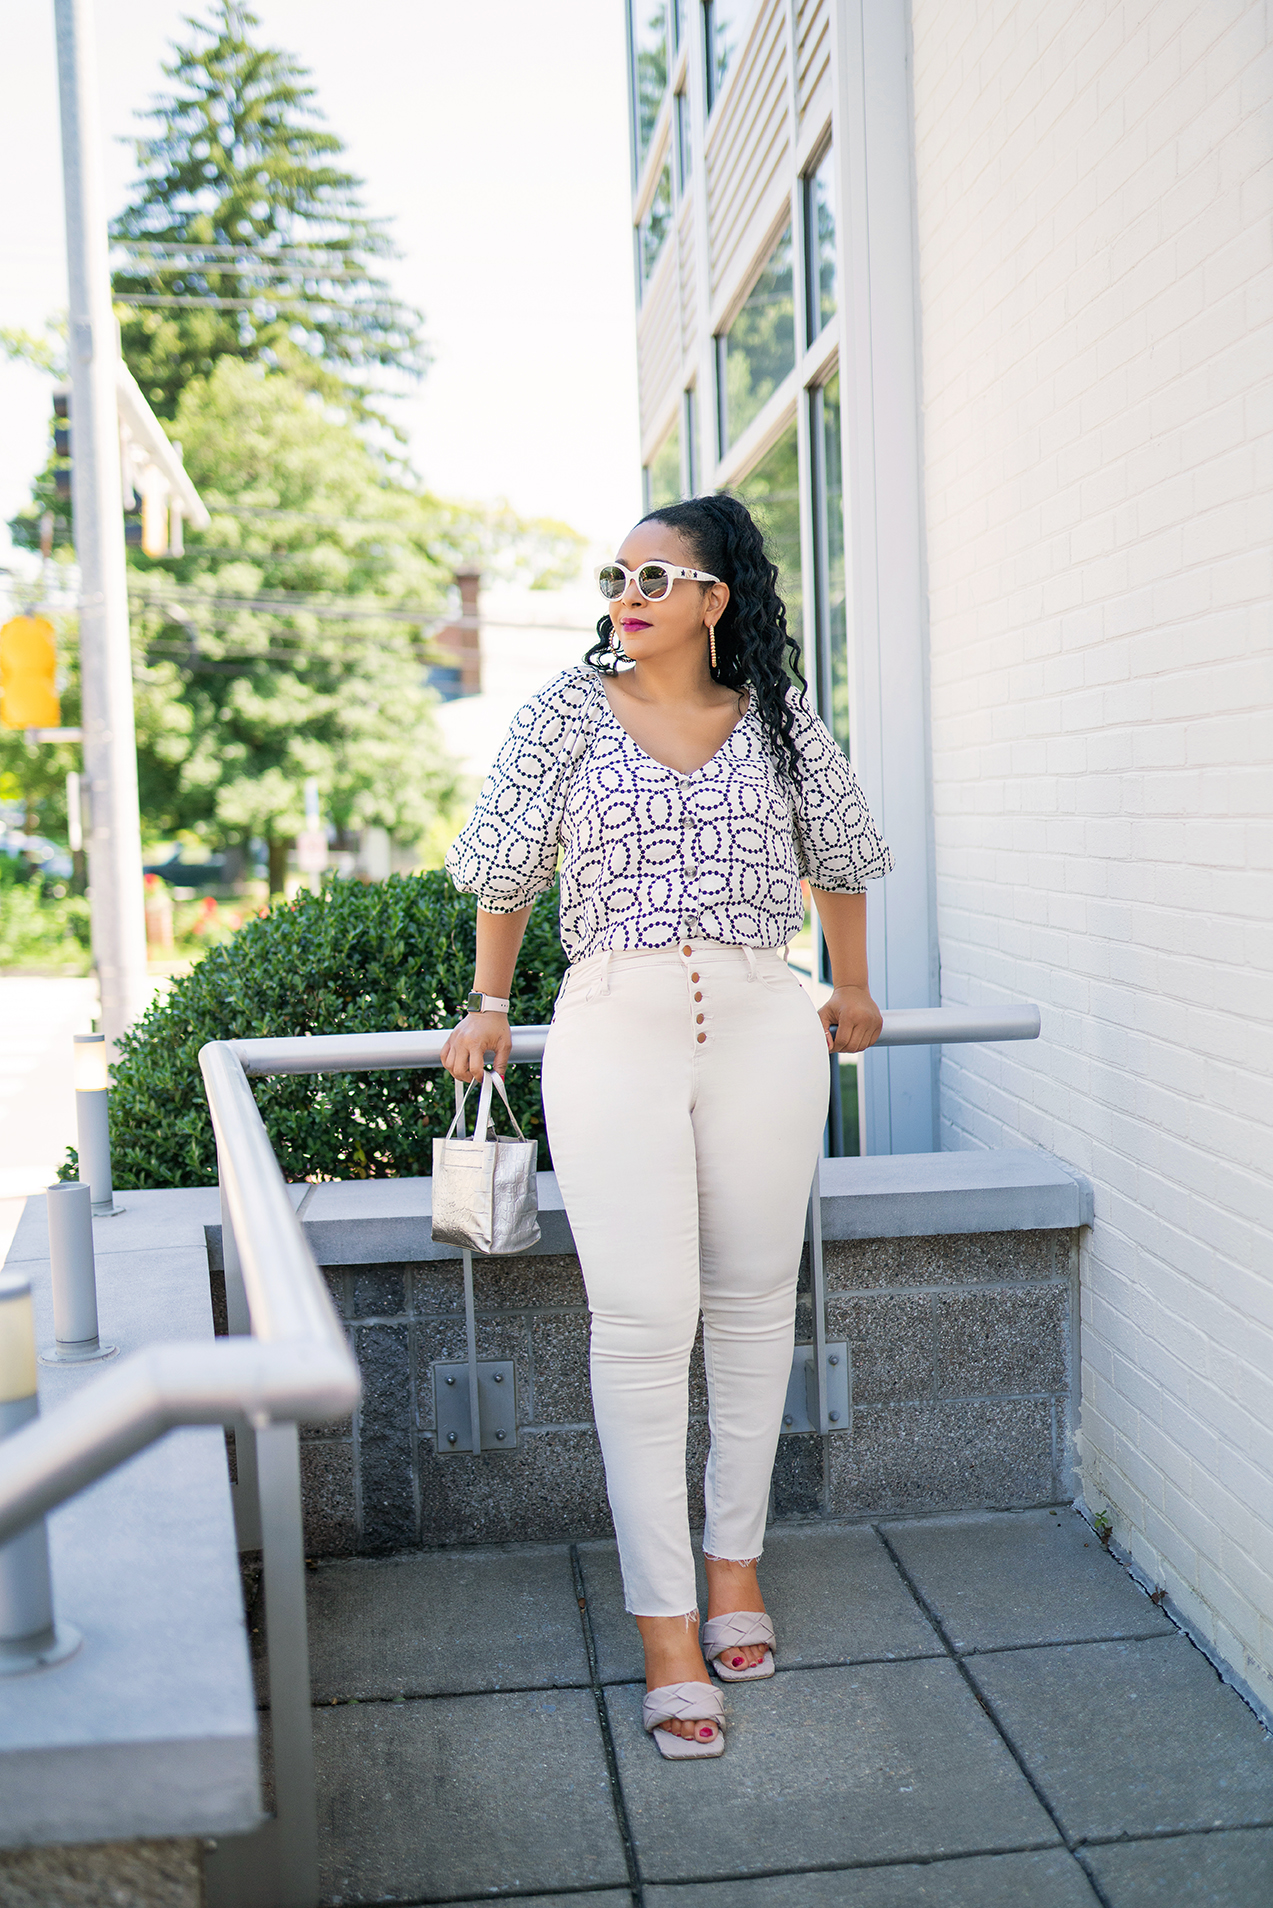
<point>711,642</point>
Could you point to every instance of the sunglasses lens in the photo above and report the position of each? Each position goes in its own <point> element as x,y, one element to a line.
<point>653,581</point>
<point>612,582</point>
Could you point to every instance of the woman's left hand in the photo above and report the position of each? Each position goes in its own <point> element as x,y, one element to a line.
<point>858,1022</point>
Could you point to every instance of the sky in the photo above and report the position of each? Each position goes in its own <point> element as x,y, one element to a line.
<point>495,137</point>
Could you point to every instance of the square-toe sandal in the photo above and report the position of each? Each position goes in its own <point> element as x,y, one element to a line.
<point>685,1702</point>
<point>735,1632</point>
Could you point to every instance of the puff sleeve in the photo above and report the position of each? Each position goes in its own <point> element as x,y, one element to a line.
<point>838,846</point>
<point>507,852</point>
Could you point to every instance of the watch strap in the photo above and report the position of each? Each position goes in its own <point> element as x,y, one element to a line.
<point>487,1004</point>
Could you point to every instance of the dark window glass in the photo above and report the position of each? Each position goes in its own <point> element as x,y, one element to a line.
<point>678,22</point>
<point>829,568</point>
<point>649,68</point>
<point>663,475</point>
<point>771,491</point>
<point>819,244</point>
<point>681,135</point>
<point>723,26</point>
<point>759,349</point>
<point>656,225</point>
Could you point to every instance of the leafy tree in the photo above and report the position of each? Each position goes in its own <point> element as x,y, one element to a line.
<point>287,642</point>
<point>246,237</point>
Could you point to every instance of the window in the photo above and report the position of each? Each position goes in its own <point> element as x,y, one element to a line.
<point>819,244</point>
<point>678,24</point>
<point>656,225</point>
<point>759,349</point>
<point>771,491</point>
<point>663,472</point>
<point>828,558</point>
<point>689,430</point>
<point>723,25</point>
<point>681,139</point>
<point>649,69</point>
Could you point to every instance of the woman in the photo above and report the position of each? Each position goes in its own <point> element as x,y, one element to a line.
<point>685,1074</point>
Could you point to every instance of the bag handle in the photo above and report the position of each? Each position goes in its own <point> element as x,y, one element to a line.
<point>489,1079</point>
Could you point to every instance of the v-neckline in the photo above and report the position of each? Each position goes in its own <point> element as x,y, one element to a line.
<point>683,774</point>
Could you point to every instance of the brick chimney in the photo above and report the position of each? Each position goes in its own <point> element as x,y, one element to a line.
<point>458,671</point>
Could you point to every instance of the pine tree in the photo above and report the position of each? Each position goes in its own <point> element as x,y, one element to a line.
<point>246,238</point>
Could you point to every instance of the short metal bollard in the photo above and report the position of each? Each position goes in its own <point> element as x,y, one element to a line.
<point>93,1131</point>
<point>29,1637</point>
<point>70,1210</point>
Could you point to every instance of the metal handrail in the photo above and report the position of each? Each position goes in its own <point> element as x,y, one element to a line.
<point>288,1362</point>
<point>371,1053</point>
<point>296,1367</point>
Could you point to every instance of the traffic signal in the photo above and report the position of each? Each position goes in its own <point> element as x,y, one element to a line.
<point>62,443</point>
<point>28,674</point>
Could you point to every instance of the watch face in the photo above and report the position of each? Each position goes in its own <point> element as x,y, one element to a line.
<point>475,1003</point>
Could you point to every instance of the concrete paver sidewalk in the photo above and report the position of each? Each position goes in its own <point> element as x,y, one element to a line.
<point>968,1710</point>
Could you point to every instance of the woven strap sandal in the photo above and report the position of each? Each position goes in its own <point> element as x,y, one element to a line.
<point>685,1702</point>
<point>734,1632</point>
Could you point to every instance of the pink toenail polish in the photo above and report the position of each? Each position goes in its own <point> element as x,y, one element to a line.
<point>738,1662</point>
<point>706,1734</point>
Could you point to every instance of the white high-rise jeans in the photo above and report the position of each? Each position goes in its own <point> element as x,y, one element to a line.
<point>685,1091</point>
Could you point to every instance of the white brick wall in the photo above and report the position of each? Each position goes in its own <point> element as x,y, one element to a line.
<point>1094,186</point>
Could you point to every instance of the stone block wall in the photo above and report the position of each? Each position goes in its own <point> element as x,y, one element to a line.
<point>962,1395</point>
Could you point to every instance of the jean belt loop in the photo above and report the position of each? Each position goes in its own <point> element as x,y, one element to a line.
<point>750,954</point>
<point>602,987</point>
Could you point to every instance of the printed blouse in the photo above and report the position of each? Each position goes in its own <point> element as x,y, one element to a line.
<point>649,855</point>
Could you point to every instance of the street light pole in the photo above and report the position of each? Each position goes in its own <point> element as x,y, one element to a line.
<point>110,742</point>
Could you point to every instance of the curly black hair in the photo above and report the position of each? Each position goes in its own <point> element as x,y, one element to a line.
<point>753,646</point>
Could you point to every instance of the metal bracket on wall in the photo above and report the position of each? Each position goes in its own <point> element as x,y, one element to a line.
<point>800,1413</point>
<point>497,1406</point>
<point>474,1405</point>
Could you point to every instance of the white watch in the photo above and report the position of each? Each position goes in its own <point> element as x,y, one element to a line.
<point>487,1004</point>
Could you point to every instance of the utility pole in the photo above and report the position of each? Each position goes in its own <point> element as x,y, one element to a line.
<point>110,741</point>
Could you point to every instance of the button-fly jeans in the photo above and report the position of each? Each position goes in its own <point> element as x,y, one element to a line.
<point>685,1094</point>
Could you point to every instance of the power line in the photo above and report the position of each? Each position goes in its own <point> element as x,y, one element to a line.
<point>439,620</point>
<point>250,252</point>
<point>308,516</point>
<point>297,601</point>
<point>312,306</point>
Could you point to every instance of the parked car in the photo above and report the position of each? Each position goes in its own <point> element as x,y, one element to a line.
<point>42,856</point>
<point>179,873</point>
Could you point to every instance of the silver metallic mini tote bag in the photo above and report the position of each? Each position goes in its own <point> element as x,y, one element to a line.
<point>484,1194</point>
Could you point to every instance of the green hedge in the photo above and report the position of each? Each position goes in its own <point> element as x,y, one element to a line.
<point>355,959</point>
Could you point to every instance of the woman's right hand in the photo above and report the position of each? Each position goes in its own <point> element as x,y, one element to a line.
<point>465,1048</point>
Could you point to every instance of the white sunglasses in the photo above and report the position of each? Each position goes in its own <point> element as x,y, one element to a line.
<point>654,580</point>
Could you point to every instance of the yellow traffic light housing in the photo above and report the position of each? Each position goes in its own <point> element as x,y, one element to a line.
<point>28,674</point>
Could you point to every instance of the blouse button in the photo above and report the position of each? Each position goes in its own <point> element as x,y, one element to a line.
<point>690,870</point>
<point>698,1018</point>
<point>701,1039</point>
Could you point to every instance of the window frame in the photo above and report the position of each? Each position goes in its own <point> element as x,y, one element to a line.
<point>814,323</point>
<point>641,159</point>
<point>815,400</point>
<point>682,142</point>
<point>720,339</point>
<point>645,276</point>
<point>689,440</point>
